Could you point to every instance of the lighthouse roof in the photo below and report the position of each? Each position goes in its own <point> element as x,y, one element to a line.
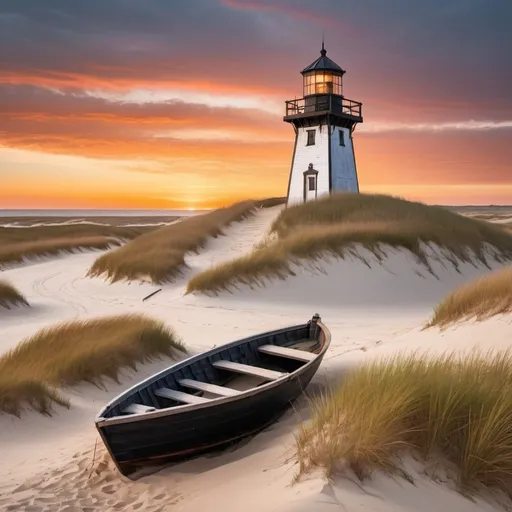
<point>323,63</point>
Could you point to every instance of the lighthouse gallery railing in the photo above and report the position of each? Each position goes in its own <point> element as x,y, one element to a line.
<point>322,103</point>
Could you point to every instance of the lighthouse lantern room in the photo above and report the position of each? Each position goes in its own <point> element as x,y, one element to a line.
<point>324,120</point>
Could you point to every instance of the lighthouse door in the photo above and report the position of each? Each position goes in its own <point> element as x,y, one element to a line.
<point>310,183</point>
<point>311,188</point>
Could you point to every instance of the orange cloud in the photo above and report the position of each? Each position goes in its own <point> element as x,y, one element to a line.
<point>431,158</point>
<point>91,81</point>
<point>457,169</point>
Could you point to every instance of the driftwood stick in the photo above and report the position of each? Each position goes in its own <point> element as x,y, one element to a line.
<point>151,294</point>
<point>93,459</point>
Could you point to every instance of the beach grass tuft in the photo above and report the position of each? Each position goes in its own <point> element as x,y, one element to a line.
<point>335,224</point>
<point>79,351</point>
<point>480,299</point>
<point>10,296</point>
<point>456,408</point>
<point>160,255</point>
<point>18,244</point>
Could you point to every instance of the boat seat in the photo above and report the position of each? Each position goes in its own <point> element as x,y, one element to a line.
<point>209,388</point>
<point>138,409</point>
<point>248,370</point>
<point>179,396</point>
<point>291,353</point>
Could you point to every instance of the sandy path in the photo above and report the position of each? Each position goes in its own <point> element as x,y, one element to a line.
<point>239,239</point>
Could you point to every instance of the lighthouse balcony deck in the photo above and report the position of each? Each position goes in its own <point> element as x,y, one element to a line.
<point>316,105</point>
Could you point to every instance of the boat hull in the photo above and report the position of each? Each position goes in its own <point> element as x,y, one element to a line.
<point>179,436</point>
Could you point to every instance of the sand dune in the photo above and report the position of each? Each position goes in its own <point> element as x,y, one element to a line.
<point>50,463</point>
<point>361,281</point>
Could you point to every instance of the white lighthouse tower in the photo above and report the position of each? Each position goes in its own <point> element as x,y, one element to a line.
<point>323,120</point>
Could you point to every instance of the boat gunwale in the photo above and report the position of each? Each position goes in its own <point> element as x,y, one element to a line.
<point>101,421</point>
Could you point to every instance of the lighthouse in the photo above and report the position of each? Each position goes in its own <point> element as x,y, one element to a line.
<point>324,120</point>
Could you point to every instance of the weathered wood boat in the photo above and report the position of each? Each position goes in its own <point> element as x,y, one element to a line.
<point>212,399</point>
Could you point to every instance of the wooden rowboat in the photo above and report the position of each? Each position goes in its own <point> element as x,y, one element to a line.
<point>212,399</point>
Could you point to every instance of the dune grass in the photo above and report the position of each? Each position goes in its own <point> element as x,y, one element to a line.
<point>16,244</point>
<point>10,297</point>
<point>482,298</point>
<point>78,351</point>
<point>459,409</point>
<point>18,252</point>
<point>332,225</point>
<point>160,255</point>
<point>364,209</point>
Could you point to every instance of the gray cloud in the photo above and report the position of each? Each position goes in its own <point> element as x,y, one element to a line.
<point>434,57</point>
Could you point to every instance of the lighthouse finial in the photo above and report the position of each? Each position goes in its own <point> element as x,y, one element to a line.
<point>323,51</point>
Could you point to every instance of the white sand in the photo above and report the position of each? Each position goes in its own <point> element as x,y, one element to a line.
<point>47,463</point>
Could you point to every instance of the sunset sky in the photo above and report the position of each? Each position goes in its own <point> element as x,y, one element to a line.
<point>179,103</point>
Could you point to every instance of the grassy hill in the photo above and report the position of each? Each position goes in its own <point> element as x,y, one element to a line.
<point>160,254</point>
<point>334,224</point>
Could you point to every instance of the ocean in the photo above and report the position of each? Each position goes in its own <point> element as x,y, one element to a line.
<point>99,213</point>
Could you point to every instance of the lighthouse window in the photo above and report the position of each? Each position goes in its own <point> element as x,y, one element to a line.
<point>337,85</point>
<point>342,138</point>
<point>311,138</point>
<point>311,183</point>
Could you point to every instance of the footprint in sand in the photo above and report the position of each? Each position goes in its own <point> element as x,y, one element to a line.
<point>86,503</point>
<point>70,508</point>
<point>23,503</point>
<point>108,489</point>
<point>51,485</point>
<point>46,499</point>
